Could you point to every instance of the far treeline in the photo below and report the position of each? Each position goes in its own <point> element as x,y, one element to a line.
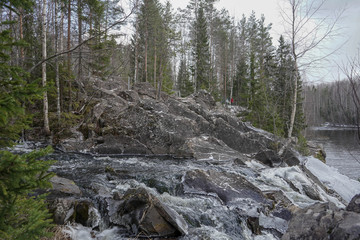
<point>335,103</point>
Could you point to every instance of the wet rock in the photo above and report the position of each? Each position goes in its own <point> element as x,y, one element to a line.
<point>63,187</point>
<point>268,157</point>
<point>69,210</point>
<point>282,206</point>
<point>290,157</point>
<point>323,221</point>
<point>311,192</point>
<point>144,215</point>
<point>354,205</point>
<point>227,187</point>
<point>61,209</point>
<point>120,145</point>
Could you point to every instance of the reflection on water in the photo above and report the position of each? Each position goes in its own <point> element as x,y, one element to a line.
<point>341,146</point>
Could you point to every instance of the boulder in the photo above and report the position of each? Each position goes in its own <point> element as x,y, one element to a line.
<point>62,187</point>
<point>268,157</point>
<point>323,221</point>
<point>290,157</point>
<point>227,187</point>
<point>144,215</point>
<point>354,205</point>
<point>70,210</point>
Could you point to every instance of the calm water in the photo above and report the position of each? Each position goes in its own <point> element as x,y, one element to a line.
<point>341,146</point>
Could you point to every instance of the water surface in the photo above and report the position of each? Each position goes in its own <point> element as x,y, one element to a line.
<point>342,148</point>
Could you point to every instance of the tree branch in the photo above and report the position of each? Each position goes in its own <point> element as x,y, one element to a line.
<point>85,41</point>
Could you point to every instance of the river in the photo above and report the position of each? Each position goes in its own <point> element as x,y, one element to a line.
<point>341,146</point>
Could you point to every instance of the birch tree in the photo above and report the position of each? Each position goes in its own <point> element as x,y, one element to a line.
<point>43,66</point>
<point>307,30</point>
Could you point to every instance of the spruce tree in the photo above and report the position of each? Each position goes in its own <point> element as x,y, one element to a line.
<point>21,216</point>
<point>201,52</point>
<point>185,85</point>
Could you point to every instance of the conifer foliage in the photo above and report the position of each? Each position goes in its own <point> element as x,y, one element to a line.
<point>21,216</point>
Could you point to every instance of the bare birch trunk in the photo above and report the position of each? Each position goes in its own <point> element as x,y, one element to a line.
<point>57,77</point>
<point>45,100</point>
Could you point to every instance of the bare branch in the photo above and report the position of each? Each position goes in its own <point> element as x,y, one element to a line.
<point>87,40</point>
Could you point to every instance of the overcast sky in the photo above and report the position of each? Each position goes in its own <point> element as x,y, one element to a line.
<point>349,24</point>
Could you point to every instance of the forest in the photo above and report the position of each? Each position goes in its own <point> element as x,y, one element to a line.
<point>63,46</point>
<point>52,51</point>
<point>335,103</point>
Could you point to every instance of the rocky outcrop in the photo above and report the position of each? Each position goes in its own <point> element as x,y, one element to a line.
<point>323,221</point>
<point>136,122</point>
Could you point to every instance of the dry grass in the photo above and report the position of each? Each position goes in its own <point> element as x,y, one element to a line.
<point>58,233</point>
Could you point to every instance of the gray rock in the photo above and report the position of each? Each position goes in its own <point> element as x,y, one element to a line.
<point>354,205</point>
<point>227,187</point>
<point>64,187</point>
<point>323,221</point>
<point>138,122</point>
<point>348,228</point>
<point>145,216</point>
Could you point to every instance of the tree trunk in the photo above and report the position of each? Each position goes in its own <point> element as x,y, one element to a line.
<point>45,100</point>
<point>69,56</point>
<point>146,56</point>
<point>57,77</point>
<point>61,48</point>
<point>80,40</point>
<point>155,66</point>
<point>22,56</point>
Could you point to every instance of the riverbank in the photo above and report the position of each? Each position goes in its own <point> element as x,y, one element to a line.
<point>341,146</point>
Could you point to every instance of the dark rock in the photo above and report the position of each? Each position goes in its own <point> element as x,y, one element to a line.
<point>290,157</point>
<point>144,215</point>
<point>348,228</point>
<point>137,121</point>
<point>323,221</point>
<point>282,206</point>
<point>268,157</point>
<point>204,99</point>
<point>311,192</point>
<point>226,186</point>
<point>235,139</point>
<point>120,145</point>
<point>354,205</point>
<point>253,225</point>
<point>68,210</point>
